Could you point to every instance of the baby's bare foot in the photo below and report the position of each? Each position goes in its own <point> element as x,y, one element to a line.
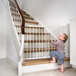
<point>52,61</point>
<point>62,71</point>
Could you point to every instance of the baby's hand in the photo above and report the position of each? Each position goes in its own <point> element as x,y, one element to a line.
<point>52,40</point>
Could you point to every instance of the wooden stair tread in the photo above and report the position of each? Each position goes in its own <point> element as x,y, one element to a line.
<point>31,22</point>
<point>23,11</point>
<point>29,18</point>
<point>39,61</point>
<point>15,14</point>
<point>12,5</point>
<point>13,10</point>
<point>25,14</point>
<point>38,50</point>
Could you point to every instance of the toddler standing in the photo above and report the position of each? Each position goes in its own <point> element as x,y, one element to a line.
<point>59,54</point>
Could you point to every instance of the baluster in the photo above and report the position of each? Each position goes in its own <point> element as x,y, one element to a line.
<point>36,44</point>
<point>27,42</point>
<point>30,42</point>
<point>42,44</point>
<point>33,41</point>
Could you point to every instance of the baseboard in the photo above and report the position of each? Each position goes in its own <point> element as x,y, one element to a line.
<point>73,66</point>
<point>12,61</point>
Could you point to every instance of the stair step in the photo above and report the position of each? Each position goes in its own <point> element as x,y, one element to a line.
<point>38,50</point>
<point>23,11</point>
<point>29,18</point>
<point>35,33</point>
<point>25,14</point>
<point>31,22</point>
<point>30,27</point>
<point>36,41</point>
<point>17,20</point>
<point>39,61</point>
<point>12,5</point>
<point>13,10</point>
<point>14,14</point>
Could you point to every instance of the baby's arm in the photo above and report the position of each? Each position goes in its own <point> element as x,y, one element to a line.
<point>55,43</point>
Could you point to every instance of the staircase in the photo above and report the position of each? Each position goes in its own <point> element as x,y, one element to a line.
<point>37,42</point>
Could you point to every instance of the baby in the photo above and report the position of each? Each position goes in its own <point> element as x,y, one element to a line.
<point>59,54</point>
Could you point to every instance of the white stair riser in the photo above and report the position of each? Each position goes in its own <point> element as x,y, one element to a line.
<point>42,67</point>
<point>18,30</point>
<point>17,23</point>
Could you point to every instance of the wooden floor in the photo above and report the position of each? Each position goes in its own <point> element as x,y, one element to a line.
<point>39,61</point>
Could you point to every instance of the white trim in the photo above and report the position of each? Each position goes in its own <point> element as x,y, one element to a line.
<point>21,56</point>
<point>20,69</point>
<point>73,66</point>
<point>12,61</point>
<point>22,47</point>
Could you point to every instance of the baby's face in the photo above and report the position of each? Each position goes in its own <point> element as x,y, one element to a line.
<point>61,37</point>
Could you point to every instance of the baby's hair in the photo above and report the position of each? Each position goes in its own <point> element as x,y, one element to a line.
<point>65,37</point>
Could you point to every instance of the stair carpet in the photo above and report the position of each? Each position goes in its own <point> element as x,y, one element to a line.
<point>36,34</point>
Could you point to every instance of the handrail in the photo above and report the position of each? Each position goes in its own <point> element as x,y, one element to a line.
<point>23,20</point>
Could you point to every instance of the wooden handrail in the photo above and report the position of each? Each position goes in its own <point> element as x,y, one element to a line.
<point>23,20</point>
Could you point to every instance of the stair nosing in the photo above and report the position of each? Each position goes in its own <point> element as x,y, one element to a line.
<point>31,22</point>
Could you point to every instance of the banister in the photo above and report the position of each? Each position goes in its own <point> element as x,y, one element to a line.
<point>23,20</point>
<point>22,46</point>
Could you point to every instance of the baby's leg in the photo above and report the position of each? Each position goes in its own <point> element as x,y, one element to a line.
<point>53,60</point>
<point>62,68</point>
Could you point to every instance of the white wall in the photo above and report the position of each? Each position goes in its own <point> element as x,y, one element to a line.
<point>73,41</point>
<point>12,50</point>
<point>19,3</point>
<point>50,12</point>
<point>3,30</point>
